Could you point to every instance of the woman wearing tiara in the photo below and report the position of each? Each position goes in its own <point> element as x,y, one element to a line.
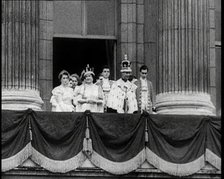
<point>62,95</point>
<point>89,96</point>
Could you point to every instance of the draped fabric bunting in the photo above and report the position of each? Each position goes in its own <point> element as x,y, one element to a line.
<point>176,144</point>
<point>117,143</point>
<point>180,145</point>
<point>213,144</point>
<point>57,140</point>
<point>15,138</point>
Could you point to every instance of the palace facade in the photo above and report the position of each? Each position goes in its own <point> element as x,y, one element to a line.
<point>180,42</point>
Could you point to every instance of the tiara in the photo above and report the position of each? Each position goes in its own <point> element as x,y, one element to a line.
<point>87,70</point>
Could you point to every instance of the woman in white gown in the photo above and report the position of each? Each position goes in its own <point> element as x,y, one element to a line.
<point>62,96</point>
<point>89,96</point>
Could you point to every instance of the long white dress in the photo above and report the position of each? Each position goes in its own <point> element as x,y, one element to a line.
<point>89,92</point>
<point>61,99</point>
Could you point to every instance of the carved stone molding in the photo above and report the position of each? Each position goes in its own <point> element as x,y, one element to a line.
<point>191,103</point>
<point>13,99</point>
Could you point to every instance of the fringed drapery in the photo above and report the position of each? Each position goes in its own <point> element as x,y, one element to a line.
<point>58,166</point>
<point>17,159</point>
<point>118,168</point>
<point>176,169</point>
<point>117,143</point>
<point>16,147</point>
<point>213,142</point>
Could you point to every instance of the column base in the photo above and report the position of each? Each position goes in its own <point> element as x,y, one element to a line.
<point>21,99</point>
<point>184,103</point>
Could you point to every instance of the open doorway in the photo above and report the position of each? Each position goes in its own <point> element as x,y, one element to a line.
<point>74,54</point>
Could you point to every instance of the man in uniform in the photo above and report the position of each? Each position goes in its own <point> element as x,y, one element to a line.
<point>122,96</point>
<point>144,92</point>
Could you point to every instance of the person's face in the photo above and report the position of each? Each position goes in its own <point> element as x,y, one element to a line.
<point>125,75</point>
<point>73,81</point>
<point>88,79</point>
<point>64,80</point>
<point>70,84</point>
<point>106,73</point>
<point>144,73</point>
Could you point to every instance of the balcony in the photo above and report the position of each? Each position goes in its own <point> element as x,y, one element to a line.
<point>51,144</point>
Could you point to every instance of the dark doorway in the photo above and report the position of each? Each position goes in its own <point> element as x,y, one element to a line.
<point>74,54</point>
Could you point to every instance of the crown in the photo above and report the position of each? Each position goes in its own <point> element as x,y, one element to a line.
<point>125,64</point>
<point>87,70</point>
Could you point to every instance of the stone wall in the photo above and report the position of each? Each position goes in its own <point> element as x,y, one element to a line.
<point>46,52</point>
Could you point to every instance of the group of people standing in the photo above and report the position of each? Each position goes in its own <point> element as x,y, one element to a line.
<point>126,95</point>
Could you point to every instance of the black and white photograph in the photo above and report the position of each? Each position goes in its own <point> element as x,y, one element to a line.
<point>111,89</point>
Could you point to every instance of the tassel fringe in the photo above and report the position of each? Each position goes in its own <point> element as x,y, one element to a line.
<point>58,166</point>
<point>87,142</point>
<point>118,168</point>
<point>174,168</point>
<point>18,159</point>
<point>213,159</point>
<point>87,146</point>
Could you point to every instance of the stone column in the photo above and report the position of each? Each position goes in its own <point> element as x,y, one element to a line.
<point>46,52</point>
<point>184,55</point>
<point>131,33</point>
<point>20,55</point>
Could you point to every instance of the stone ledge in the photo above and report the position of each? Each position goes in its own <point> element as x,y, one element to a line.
<point>92,172</point>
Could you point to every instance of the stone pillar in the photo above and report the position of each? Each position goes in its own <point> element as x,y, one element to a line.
<point>46,52</point>
<point>20,55</point>
<point>131,33</point>
<point>183,63</point>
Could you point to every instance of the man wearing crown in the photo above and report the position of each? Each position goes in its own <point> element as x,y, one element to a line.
<point>122,96</point>
<point>89,96</point>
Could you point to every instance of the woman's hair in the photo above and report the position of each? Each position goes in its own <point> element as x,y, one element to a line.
<point>77,77</point>
<point>63,72</point>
